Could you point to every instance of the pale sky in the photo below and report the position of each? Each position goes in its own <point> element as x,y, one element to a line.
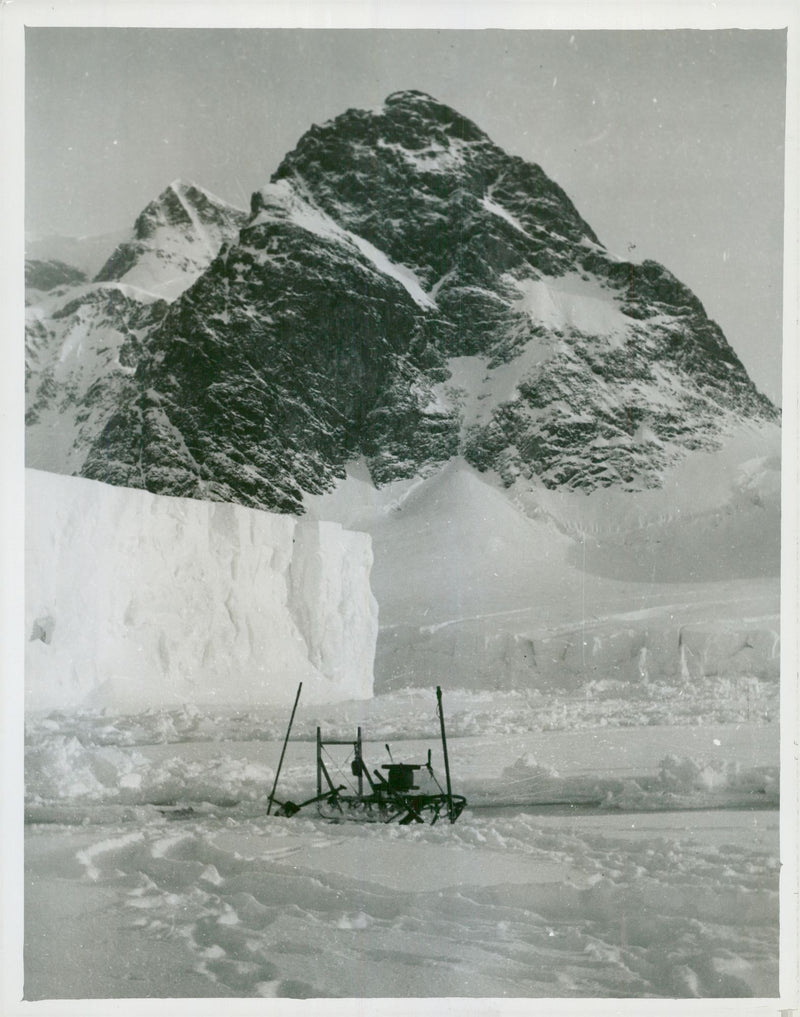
<point>670,143</point>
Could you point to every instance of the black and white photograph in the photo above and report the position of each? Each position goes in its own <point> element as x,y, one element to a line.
<point>408,588</point>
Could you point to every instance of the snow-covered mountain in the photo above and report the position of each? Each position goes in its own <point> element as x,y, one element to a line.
<point>407,291</point>
<point>82,347</point>
<point>565,493</point>
<point>173,240</point>
<point>84,340</point>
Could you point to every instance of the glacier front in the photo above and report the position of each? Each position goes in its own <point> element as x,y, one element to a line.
<point>135,600</point>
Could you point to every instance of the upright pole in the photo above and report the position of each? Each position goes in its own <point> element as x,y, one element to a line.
<point>283,750</point>
<point>444,751</point>
<point>319,761</point>
<point>359,764</point>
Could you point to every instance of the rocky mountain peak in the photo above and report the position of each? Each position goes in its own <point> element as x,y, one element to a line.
<point>181,204</point>
<point>421,113</point>
<point>407,178</point>
<point>173,240</point>
<point>405,291</point>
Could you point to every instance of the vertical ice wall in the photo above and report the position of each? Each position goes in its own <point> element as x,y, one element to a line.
<point>330,601</point>
<point>136,600</point>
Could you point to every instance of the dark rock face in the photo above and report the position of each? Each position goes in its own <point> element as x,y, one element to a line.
<point>257,386</point>
<point>405,290</point>
<point>411,180</point>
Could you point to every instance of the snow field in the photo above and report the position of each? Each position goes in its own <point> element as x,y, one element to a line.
<point>409,714</point>
<point>489,907</point>
<point>66,781</point>
<point>148,838</point>
<point>572,301</point>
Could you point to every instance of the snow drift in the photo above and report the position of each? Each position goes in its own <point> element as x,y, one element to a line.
<point>136,600</point>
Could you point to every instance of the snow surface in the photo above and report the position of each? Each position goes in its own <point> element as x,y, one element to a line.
<point>494,907</point>
<point>152,868</point>
<point>135,600</point>
<point>506,749</point>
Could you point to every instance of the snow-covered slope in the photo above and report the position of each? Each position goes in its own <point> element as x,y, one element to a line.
<point>82,347</point>
<point>173,241</point>
<point>505,904</point>
<point>151,831</point>
<point>479,587</point>
<point>136,601</point>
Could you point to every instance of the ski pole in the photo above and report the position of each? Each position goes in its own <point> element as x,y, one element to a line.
<point>444,752</point>
<point>283,750</point>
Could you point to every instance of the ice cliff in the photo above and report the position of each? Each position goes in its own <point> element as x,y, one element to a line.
<point>136,600</point>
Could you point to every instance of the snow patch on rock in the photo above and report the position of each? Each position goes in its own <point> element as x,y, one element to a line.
<point>503,213</point>
<point>571,301</point>
<point>479,389</point>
